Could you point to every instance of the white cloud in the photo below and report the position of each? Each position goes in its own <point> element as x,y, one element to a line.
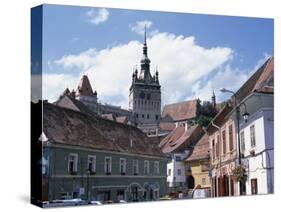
<point>55,84</point>
<point>138,27</point>
<point>97,16</point>
<point>227,77</point>
<point>181,63</point>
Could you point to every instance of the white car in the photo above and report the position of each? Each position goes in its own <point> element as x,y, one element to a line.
<point>95,203</point>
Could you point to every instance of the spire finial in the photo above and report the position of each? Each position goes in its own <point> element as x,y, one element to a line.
<point>145,34</point>
<point>214,99</point>
<point>144,44</point>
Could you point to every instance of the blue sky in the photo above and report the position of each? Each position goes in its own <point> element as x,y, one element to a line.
<point>199,51</point>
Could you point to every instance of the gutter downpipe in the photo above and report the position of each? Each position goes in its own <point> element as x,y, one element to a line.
<point>216,126</point>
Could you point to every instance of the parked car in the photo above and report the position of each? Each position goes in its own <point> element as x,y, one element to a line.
<point>108,202</point>
<point>95,202</point>
<point>67,202</point>
<point>200,193</point>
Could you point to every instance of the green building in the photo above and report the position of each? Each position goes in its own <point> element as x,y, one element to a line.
<point>88,157</point>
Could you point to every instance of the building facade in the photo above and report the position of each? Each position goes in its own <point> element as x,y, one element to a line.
<point>75,172</point>
<point>223,152</point>
<point>198,165</point>
<point>257,144</point>
<point>249,115</point>
<point>88,157</point>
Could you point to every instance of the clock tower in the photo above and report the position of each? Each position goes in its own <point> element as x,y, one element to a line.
<point>145,92</point>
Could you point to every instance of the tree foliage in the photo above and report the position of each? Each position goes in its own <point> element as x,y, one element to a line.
<point>205,112</point>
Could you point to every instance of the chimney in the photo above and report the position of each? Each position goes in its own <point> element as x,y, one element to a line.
<point>186,126</point>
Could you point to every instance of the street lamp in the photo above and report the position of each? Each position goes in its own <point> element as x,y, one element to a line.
<point>88,173</point>
<point>245,116</point>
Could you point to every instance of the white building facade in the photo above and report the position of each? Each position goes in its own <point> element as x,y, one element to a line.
<point>257,143</point>
<point>176,177</point>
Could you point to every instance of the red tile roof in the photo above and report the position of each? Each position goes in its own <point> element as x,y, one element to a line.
<point>167,126</point>
<point>181,111</point>
<point>260,79</point>
<point>180,138</point>
<point>200,150</point>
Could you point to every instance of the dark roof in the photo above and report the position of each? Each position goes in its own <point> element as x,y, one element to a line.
<point>180,138</point>
<point>73,104</point>
<point>200,150</point>
<point>108,116</point>
<point>181,111</point>
<point>72,127</point>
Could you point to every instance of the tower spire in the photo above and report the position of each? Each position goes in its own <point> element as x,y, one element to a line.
<point>214,99</point>
<point>145,34</point>
<point>144,42</point>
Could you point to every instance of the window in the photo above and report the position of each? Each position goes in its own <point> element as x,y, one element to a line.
<point>122,166</point>
<point>137,115</point>
<point>253,136</point>
<point>148,96</point>
<point>213,149</point>
<point>146,167</point>
<point>135,167</point>
<point>142,116</point>
<point>156,167</point>
<point>178,158</point>
<point>230,134</point>
<point>72,163</point>
<point>217,146</point>
<point>203,181</point>
<point>179,172</point>
<point>169,172</point>
<point>91,163</point>
<point>223,142</point>
<point>242,140</point>
<point>254,186</point>
<point>107,165</point>
<point>156,117</point>
<point>147,116</point>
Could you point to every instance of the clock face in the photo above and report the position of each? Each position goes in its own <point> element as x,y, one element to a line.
<point>142,95</point>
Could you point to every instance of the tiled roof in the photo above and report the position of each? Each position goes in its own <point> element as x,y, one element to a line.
<point>265,81</point>
<point>181,111</point>
<point>200,150</point>
<point>84,88</point>
<point>74,128</point>
<point>122,119</point>
<point>260,81</point>
<point>69,102</point>
<point>180,138</point>
<point>108,116</point>
<point>167,126</point>
<point>257,81</point>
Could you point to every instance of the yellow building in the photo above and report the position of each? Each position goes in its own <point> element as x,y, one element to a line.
<point>197,165</point>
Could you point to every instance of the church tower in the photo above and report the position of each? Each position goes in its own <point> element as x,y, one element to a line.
<point>85,94</point>
<point>214,100</point>
<point>145,92</point>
